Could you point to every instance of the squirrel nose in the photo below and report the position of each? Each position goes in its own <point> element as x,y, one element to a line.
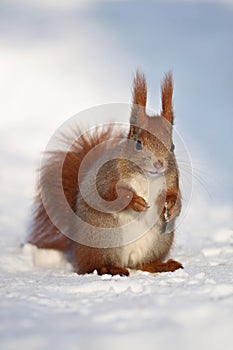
<point>158,165</point>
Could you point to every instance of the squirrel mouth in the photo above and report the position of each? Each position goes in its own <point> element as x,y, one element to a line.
<point>155,172</point>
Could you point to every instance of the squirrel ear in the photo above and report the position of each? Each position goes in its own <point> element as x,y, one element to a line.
<point>166,91</point>
<point>138,113</point>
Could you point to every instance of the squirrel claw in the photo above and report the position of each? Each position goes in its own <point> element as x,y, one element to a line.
<point>138,203</point>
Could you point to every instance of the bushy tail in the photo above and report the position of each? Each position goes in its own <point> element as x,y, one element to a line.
<point>43,233</point>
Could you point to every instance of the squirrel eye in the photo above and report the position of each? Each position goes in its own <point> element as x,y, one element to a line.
<point>172,148</point>
<point>138,145</point>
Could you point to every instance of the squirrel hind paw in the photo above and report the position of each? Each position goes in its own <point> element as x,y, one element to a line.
<point>113,270</point>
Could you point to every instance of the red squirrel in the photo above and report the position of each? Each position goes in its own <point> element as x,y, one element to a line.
<point>152,165</point>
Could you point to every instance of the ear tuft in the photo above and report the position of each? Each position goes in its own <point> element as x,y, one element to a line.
<point>138,113</point>
<point>167,91</point>
<point>139,89</point>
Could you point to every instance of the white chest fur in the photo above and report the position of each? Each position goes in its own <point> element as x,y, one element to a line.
<point>151,241</point>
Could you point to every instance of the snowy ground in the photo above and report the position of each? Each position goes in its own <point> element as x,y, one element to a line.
<point>44,304</point>
<point>191,308</point>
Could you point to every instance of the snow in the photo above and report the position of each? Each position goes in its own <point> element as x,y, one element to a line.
<point>42,307</point>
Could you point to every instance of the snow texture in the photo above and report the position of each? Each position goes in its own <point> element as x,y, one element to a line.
<point>50,306</point>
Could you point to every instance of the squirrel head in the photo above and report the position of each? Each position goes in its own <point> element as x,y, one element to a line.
<point>152,134</point>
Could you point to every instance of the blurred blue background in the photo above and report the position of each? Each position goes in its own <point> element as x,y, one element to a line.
<point>58,58</point>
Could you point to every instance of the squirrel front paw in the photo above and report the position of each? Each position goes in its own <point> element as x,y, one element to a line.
<point>169,205</point>
<point>138,203</point>
<point>135,202</point>
<point>172,207</point>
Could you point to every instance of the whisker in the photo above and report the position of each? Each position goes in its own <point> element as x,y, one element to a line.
<point>191,171</point>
